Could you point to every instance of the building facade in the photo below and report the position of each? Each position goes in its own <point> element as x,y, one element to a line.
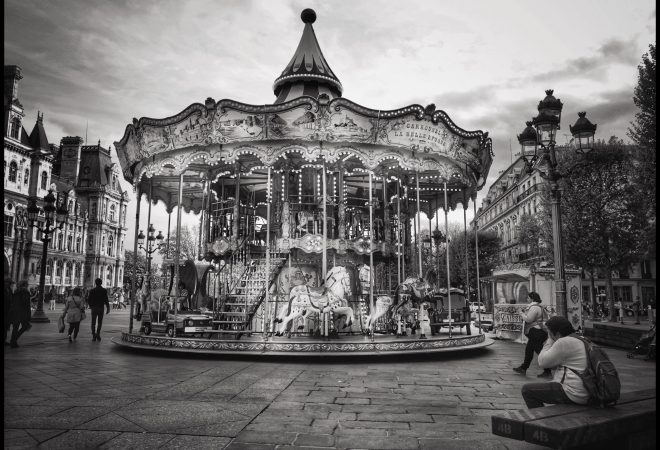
<point>90,243</point>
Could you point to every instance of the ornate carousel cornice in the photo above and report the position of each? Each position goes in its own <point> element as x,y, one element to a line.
<point>157,139</point>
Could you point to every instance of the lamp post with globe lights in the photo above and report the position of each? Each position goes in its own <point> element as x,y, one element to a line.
<point>150,248</point>
<point>55,217</point>
<point>541,132</point>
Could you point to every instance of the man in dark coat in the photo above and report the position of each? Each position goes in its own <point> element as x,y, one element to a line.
<point>20,312</point>
<point>8,294</point>
<point>98,297</point>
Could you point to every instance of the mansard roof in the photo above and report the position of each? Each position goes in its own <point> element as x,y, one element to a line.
<point>95,165</point>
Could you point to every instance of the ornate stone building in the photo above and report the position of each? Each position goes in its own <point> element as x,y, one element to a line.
<point>90,244</point>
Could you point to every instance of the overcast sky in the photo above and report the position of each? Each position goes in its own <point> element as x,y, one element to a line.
<point>486,63</point>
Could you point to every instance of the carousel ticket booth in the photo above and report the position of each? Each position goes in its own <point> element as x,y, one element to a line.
<point>309,212</point>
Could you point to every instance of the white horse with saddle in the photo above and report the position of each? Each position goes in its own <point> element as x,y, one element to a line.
<point>304,300</point>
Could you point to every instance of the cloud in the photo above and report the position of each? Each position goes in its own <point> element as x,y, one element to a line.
<point>613,51</point>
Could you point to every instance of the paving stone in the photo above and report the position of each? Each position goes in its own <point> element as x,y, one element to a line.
<point>315,440</point>
<point>365,424</point>
<point>137,441</point>
<point>261,438</point>
<point>78,439</point>
<point>187,442</point>
<point>377,442</point>
<point>362,431</point>
<point>455,444</point>
<point>111,421</point>
<point>251,446</point>
<point>292,427</point>
<point>352,401</point>
<point>389,417</point>
<point>18,439</point>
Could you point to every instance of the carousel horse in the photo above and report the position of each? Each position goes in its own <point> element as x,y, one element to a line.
<point>410,294</point>
<point>303,218</point>
<point>304,300</point>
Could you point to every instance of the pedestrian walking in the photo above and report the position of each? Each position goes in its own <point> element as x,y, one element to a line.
<point>8,294</point>
<point>20,312</point>
<point>98,297</point>
<point>562,352</point>
<point>73,311</point>
<point>121,299</point>
<point>619,306</point>
<point>637,304</point>
<point>533,328</point>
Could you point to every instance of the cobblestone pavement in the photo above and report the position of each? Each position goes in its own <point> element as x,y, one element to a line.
<point>95,395</point>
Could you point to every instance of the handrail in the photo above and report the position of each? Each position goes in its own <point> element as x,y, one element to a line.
<point>262,295</point>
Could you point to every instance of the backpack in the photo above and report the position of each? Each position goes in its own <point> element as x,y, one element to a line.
<point>600,378</point>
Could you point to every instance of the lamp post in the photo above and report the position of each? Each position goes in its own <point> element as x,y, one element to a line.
<point>150,249</point>
<point>541,131</point>
<point>55,218</point>
<point>438,238</point>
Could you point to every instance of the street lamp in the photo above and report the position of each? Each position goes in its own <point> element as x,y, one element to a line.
<point>55,218</point>
<point>150,249</point>
<point>541,132</point>
<point>438,238</point>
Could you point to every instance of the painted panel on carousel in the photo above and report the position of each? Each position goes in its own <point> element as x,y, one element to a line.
<point>297,123</point>
<point>192,130</point>
<point>237,126</point>
<point>351,126</point>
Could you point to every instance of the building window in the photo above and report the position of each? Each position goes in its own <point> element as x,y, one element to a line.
<point>49,268</point>
<point>78,244</point>
<point>32,268</point>
<point>9,226</point>
<point>69,243</point>
<point>60,240</point>
<point>58,269</point>
<point>110,242</point>
<point>13,170</point>
<point>15,127</point>
<point>90,240</point>
<point>94,211</point>
<point>109,279</point>
<point>44,180</point>
<point>27,177</point>
<point>646,269</point>
<point>112,213</point>
<point>102,244</point>
<point>70,207</point>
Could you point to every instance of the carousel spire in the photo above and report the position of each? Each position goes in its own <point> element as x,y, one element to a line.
<point>308,73</point>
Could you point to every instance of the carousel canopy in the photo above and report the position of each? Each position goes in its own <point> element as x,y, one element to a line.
<point>310,125</point>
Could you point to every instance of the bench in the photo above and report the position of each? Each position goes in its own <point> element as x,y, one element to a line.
<point>628,425</point>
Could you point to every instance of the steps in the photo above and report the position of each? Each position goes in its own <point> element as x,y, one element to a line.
<point>236,313</point>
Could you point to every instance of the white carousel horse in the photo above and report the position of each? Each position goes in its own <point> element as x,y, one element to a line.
<point>304,299</point>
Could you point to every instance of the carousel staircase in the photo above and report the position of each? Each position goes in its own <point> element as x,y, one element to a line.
<point>245,299</point>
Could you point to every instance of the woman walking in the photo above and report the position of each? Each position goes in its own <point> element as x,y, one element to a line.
<point>73,310</point>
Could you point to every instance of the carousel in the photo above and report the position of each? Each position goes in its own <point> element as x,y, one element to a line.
<point>310,231</point>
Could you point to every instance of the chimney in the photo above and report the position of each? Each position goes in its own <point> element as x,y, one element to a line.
<point>70,148</point>
<point>12,77</point>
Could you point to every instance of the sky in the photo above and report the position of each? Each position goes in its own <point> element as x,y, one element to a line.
<point>94,65</point>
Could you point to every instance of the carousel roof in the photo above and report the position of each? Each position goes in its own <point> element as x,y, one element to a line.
<point>308,73</point>
<point>310,125</point>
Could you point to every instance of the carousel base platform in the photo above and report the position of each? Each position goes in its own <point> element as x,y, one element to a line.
<point>342,346</point>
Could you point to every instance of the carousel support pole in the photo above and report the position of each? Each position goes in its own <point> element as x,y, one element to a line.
<point>419,230</point>
<point>447,252</point>
<point>371,253</point>
<point>324,256</point>
<point>178,248</point>
<point>267,276</point>
<point>202,222</point>
<point>476,250</point>
<point>148,279</point>
<point>405,230</point>
<point>398,233</point>
<point>135,250</point>
<point>237,205</point>
<point>467,268</point>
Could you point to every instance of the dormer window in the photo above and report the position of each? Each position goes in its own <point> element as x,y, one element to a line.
<point>15,127</point>
<point>44,180</point>
<point>27,176</point>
